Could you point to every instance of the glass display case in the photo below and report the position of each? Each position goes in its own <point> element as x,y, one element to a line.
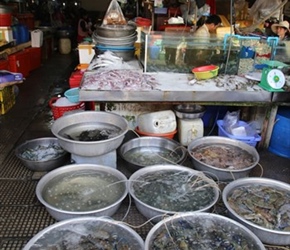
<point>181,52</point>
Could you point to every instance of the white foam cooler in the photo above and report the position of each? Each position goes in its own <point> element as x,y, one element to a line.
<point>189,129</point>
<point>159,122</point>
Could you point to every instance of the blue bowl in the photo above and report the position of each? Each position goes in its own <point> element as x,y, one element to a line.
<point>72,95</point>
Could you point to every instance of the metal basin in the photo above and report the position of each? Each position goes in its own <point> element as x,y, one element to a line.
<point>119,41</point>
<point>266,235</point>
<point>189,111</point>
<point>165,190</point>
<point>86,121</point>
<point>114,31</point>
<point>48,147</point>
<point>202,229</point>
<point>81,229</point>
<point>152,149</point>
<point>220,173</point>
<point>82,190</point>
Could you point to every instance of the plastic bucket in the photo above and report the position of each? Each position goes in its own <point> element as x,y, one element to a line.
<point>64,46</point>
<point>36,38</point>
<point>154,51</point>
<point>280,139</point>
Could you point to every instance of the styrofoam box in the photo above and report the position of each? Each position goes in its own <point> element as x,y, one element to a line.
<point>86,53</point>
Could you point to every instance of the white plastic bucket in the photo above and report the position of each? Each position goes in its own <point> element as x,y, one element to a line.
<point>189,129</point>
<point>36,38</point>
<point>159,122</point>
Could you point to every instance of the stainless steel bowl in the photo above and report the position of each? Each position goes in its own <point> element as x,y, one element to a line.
<point>119,41</point>
<point>75,233</point>
<point>268,236</point>
<point>46,164</point>
<point>189,111</point>
<point>200,228</point>
<point>218,173</point>
<point>82,189</point>
<point>90,120</point>
<point>114,31</point>
<point>154,146</point>
<point>156,214</point>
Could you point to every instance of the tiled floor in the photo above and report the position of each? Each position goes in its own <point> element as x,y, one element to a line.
<point>21,215</point>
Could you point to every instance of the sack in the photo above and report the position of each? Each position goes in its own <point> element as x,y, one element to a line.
<point>114,15</point>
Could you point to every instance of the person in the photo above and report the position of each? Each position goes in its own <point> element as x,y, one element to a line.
<point>84,26</point>
<point>281,29</point>
<point>210,26</point>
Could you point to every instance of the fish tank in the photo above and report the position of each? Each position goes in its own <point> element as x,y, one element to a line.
<point>181,52</point>
<point>282,52</point>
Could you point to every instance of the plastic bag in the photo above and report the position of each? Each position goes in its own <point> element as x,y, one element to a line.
<point>230,120</point>
<point>233,125</point>
<point>261,9</point>
<point>114,15</point>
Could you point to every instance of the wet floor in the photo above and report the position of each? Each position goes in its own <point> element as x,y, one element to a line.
<point>21,215</point>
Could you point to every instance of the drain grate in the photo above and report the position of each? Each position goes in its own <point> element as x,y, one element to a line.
<point>13,244</point>
<point>18,192</point>
<point>12,168</point>
<point>23,221</point>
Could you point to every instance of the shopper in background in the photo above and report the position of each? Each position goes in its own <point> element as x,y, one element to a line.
<point>210,26</point>
<point>282,30</point>
<point>84,26</point>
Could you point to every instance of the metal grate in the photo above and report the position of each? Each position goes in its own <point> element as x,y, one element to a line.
<point>12,168</point>
<point>23,221</point>
<point>13,244</point>
<point>15,192</point>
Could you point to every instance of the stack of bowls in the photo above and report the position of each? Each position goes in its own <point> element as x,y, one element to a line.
<point>119,39</point>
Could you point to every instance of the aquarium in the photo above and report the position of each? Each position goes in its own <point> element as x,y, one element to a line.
<point>180,52</point>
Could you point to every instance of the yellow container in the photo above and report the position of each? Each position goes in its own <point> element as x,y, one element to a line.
<point>205,72</point>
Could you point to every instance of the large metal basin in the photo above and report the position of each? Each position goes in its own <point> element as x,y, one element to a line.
<point>154,146</point>
<point>90,120</point>
<point>266,235</point>
<point>200,228</point>
<point>82,188</point>
<point>115,31</point>
<point>80,230</point>
<point>219,173</point>
<point>154,213</point>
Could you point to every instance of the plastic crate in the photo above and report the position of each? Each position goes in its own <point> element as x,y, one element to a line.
<point>250,140</point>
<point>7,99</point>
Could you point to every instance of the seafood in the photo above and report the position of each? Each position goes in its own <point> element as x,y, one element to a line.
<point>118,79</point>
<point>90,133</point>
<point>83,191</point>
<point>147,156</point>
<point>175,191</point>
<point>201,234</point>
<point>263,205</point>
<point>83,238</point>
<point>43,152</point>
<point>223,156</point>
<point>94,135</point>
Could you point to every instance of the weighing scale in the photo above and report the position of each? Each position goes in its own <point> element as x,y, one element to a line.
<point>273,78</point>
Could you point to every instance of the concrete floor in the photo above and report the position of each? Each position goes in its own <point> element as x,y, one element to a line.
<point>21,215</point>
